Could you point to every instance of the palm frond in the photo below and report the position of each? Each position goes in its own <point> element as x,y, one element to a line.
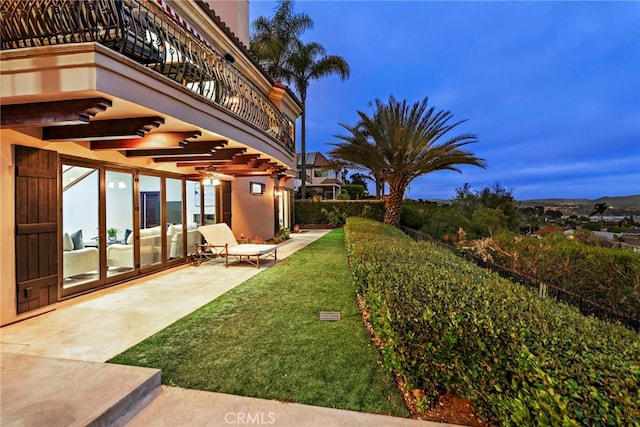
<point>399,142</point>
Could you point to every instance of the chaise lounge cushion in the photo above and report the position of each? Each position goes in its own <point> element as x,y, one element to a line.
<point>221,237</point>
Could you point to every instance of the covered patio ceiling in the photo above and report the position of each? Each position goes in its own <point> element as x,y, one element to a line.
<point>108,124</point>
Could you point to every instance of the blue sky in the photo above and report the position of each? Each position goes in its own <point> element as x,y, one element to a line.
<point>551,89</point>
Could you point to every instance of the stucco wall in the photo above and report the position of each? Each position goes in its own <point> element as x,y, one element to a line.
<point>252,214</point>
<point>7,245</point>
<point>235,14</point>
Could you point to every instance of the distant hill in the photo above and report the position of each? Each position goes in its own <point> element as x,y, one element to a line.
<point>615,201</point>
<point>617,205</point>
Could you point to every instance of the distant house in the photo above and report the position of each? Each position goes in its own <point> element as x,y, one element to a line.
<point>324,183</point>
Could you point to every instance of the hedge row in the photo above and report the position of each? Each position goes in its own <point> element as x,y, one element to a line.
<point>449,325</point>
<point>310,211</point>
<point>607,276</point>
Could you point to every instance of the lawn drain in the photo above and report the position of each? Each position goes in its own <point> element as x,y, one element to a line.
<point>329,316</point>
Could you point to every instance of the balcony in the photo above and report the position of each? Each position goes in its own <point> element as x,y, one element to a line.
<point>144,32</point>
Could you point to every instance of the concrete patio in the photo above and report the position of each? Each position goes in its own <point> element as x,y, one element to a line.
<point>53,371</point>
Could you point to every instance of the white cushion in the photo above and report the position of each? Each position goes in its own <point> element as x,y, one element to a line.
<point>248,249</point>
<point>67,243</point>
<point>148,232</point>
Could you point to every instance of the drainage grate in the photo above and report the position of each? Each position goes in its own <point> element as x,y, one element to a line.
<point>329,316</point>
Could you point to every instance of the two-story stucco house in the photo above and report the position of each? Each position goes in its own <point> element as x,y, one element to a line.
<point>319,182</point>
<point>125,125</point>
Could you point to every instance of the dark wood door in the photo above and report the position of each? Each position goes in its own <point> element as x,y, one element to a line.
<point>225,202</point>
<point>36,227</point>
<point>150,209</point>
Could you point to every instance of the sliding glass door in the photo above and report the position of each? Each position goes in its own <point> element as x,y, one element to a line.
<point>175,223</point>
<point>150,220</point>
<point>120,242</point>
<point>118,222</point>
<point>80,227</point>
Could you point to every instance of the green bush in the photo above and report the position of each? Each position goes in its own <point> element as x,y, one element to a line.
<point>591,226</point>
<point>412,217</point>
<point>310,211</point>
<point>355,191</point>
<point>450,326</point>
<point>336,217</point>
<point>442,222</point>
<point>607,276</point>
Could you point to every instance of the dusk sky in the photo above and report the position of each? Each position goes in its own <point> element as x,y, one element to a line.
<point>551,89</point>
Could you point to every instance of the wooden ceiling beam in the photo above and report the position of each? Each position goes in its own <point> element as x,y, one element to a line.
<point>245,172</point>
<point>149,141</point>
<point>66,112</point>
<point>103,129</point>
<point>197,165</point>
<point>184,160</point>
<point>202,147</point>
<point>222,154</point>
<point>244,159</point>
<point>239,160</point>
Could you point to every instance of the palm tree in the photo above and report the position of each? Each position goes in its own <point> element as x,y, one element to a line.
<point>274,38</point>
<point>309,62</point>
<point>401,142</point>
<point>599,209</point>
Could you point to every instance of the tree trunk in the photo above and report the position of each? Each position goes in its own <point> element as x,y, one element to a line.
<point>303,148</point>
<point>379,187</point>
<point>393,206</point>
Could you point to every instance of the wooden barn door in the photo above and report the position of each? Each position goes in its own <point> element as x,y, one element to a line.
<point>36,227</point>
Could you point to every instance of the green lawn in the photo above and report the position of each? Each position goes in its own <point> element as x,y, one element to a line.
<point>264,339</point>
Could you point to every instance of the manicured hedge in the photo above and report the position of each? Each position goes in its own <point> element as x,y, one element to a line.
<point>310,211</point>
<point>449,325</point>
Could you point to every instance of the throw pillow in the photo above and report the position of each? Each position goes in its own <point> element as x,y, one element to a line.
<point>78,242</point>
<point>67,243</point>
<point>127,232</point>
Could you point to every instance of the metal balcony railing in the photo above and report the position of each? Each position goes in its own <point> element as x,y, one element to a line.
<point>146,33</point>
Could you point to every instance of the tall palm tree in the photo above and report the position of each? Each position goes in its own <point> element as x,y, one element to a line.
<point>401,142</point>
<point>309,62</point>
<point>599,209</point>
<point>273,39</point>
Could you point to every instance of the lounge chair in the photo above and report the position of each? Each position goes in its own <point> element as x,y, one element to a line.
<point>220,241</point>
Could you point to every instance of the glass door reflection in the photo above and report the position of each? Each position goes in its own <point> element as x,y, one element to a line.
<point>150,220</point>
<point>120,242</point>
<point>175,227</point>
<point>80,203</point>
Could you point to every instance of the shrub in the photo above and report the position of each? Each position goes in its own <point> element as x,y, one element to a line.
<point>444,221</point>
<point>336,217</point>
<point>355,191</point>
<point>412,217</point>
<point>607,276</point>
<point>309,211</point>
<point>591,226</point>
<point>450,326</point>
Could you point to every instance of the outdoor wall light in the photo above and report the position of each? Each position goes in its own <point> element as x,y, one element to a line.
<point>256,188</point>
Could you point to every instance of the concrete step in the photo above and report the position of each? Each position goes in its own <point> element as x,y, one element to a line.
<point>43,391</point>
<point>182,407</point>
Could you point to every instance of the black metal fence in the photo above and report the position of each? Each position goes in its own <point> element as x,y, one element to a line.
<point>543,290</point>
